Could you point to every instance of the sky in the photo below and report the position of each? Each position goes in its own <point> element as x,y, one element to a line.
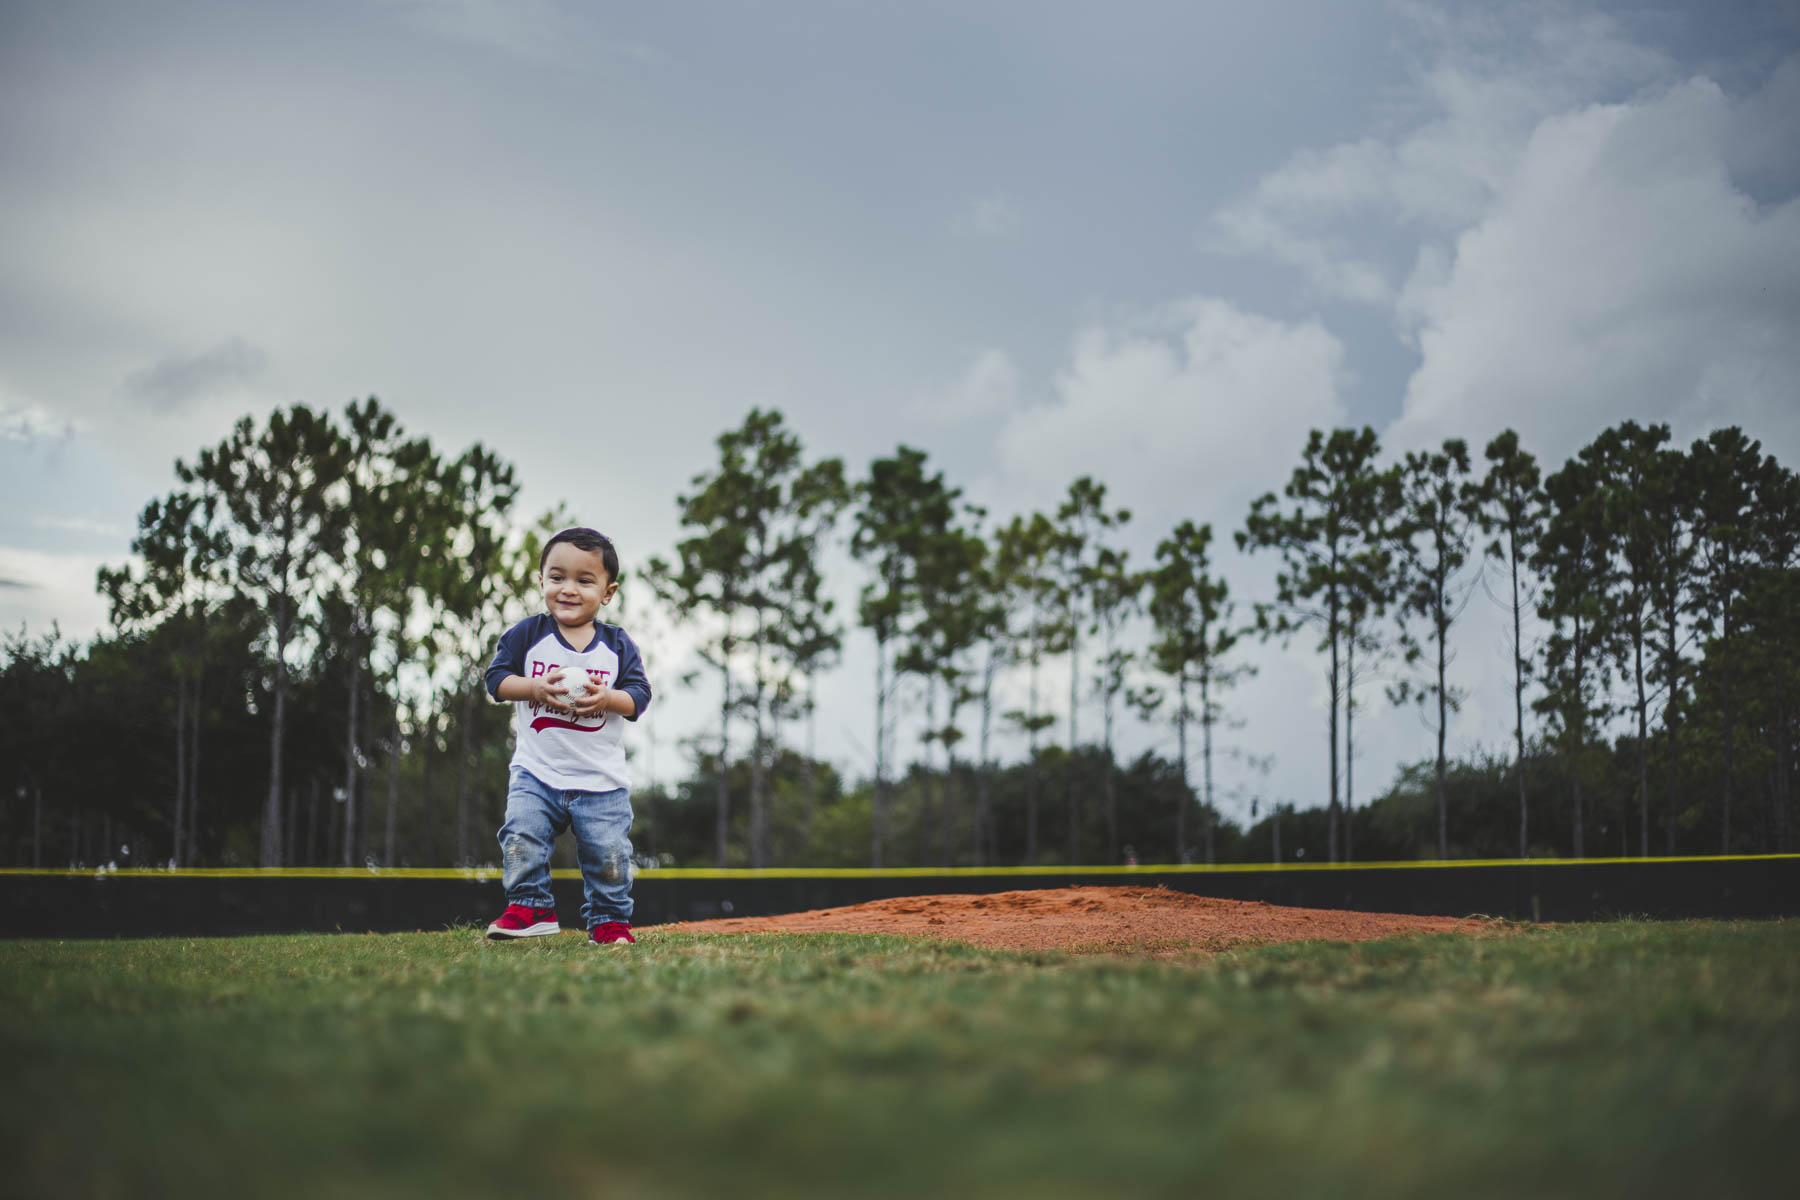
<point>1150,243</point>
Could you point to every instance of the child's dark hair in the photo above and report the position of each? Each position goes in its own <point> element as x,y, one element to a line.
<point>583,538</point>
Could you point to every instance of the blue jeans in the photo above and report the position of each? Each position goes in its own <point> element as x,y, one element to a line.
<point>535,814</point>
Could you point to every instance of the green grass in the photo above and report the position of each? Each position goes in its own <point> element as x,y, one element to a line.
<point>1620,1059</point>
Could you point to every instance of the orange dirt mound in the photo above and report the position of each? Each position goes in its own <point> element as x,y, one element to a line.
<point>1119,920</point>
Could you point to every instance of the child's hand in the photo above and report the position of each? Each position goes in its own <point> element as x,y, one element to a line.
<point>594,703</point>
<point>547,691</point>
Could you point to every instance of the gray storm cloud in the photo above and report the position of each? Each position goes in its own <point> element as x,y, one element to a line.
<point>173,383</point>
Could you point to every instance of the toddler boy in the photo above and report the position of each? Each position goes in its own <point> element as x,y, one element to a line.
<point>570,680</point>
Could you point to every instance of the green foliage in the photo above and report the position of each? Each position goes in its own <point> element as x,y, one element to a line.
<point>759,519</point>
<point>292,665</point>
<point>1192,612</point>
<point>905,529</point>
<point>1512,504</point>
<point>1438,513</point>
<point>1330,538</point>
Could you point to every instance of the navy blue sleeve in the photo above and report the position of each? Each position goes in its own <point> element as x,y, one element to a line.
<point>509,656</point>
<point>632,680</point>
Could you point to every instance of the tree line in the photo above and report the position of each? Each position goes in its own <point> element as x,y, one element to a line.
<point>292,670</point>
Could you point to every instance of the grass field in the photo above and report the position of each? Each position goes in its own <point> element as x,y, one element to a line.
<point>1619,1059</point>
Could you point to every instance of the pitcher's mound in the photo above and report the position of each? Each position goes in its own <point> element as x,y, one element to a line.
<point>1119,920</point>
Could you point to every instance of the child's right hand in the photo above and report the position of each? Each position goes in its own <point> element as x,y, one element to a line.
<point>547,691</point>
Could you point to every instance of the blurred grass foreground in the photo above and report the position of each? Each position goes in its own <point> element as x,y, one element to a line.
<point>1616,1059</point>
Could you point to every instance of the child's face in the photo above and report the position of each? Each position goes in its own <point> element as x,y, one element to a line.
<point>575,584</point>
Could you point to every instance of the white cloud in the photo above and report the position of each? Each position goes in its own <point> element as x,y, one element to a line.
<point>82,525</point>
<point>27,421</point>
<point>1620,273</point>
<point>1250,229</point>
<point>1191,409</point>
<point>1591,239</point>
<point>38,588</point>
<point>988,388</point>
<point>1344,215</point>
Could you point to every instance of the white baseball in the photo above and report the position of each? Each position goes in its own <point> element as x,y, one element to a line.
<point>576,684</point>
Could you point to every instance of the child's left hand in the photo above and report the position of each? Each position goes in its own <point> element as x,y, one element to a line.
<point>594,703</point>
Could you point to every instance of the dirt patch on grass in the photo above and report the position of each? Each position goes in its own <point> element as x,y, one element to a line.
<point>1157,921</point>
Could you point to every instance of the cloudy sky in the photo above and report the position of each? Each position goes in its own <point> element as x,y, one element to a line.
<point>1154,243</point>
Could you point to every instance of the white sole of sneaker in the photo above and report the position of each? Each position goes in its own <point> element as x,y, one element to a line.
<point>541,929</point>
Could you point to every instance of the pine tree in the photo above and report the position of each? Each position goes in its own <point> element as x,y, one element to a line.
<point>898,508</point>
<point>1192,612</point>
<point>1319,536</point>
<point>1624,460</point>
<point>1025,554</point>
<point>1440,509</point>
<point>1575,562</point>
<point>1083,523</point>
<point>1726,465</point>
<point>1513,502</point>
<point>283,488</point>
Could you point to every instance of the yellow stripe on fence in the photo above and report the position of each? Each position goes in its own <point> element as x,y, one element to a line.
<point>492,874</point>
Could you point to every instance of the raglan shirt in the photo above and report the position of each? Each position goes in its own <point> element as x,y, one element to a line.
<point>564,751</point>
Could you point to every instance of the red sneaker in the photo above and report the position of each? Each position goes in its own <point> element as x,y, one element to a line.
<point>607,933</point>
<point>523,921</point>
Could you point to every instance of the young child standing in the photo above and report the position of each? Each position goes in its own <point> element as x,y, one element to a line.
<point>573,684</point>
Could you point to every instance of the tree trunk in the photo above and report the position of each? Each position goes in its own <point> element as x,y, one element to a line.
<point>1730,740</point>
<point>1109,791</point>
<point>270,850</point>
<point>291,839</point>
<point>1031,767</point>
<point>1349,744</point>
<point>1784,767</point>
<point>312,826</point>
<point>1443,699</point>
<point>812,762</point>
<point>878,815</point>
<point>1069,794</point>
<point>1580,851</point>
<point>190,847</point>
<point>985,847</point>
<point>1519,698</point>
<point>1671,716</point>
<point>722,807</point>
<point>759,813</point>
<point>932,797</point>
<point>393,791</point>
<point>463,847</point>
<point>1206,732</point>
<point>351,765</point>
<point>427,816</point>
<point>356,824</point>
<point>1331,827</point>
<point>1643,747</point>
<point>952,793</point>
<point>181,783</point>
<point>333,832</point>
<point>1185,796</point>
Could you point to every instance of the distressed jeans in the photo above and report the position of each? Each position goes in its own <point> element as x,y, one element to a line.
<point>535,814</point>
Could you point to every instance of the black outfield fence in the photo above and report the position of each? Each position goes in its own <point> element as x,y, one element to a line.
<point>86,904</point>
